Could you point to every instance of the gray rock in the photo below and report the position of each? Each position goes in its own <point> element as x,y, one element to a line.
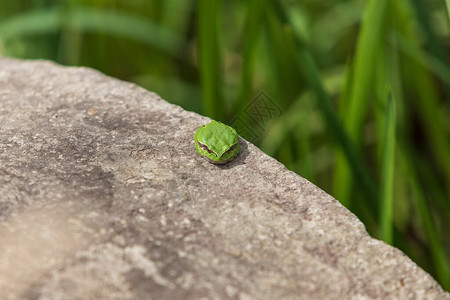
<point>102,196</point>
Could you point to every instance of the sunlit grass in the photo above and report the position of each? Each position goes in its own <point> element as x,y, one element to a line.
<point>387,172</point>
<point>209,58</point>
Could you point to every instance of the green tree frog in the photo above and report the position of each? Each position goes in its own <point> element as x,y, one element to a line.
<point>217,142</point>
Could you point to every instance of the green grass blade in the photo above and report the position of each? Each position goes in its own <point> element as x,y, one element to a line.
<point>96,20</point>
<point>281,47</point>
<point>69,48</point>
<point>340,158</point>
<point>425,95</point>
<point>29,24</point>
<point>427,60</point>
<point>209,58</point>
<point>128,26</point>
<point>387,174</point>
<point>417,171</point>
<point>439,257</point>
<point>288,84</point>
<point>429,33</point>
<point>447,2</point>
<point>251,35</point>
<point>369,43</point>
<point>307,65</point>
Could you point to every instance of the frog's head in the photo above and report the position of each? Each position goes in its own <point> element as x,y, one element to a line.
<point>217,142</point>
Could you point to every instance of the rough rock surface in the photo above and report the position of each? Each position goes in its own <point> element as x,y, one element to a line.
<point>102,196</point>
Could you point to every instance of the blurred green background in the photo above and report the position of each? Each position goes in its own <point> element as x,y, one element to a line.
<point>352,95</point>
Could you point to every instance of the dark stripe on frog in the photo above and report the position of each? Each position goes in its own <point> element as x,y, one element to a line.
<point>204,147</point>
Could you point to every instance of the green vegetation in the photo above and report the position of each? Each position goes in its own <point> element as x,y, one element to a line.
<point>357,93</point>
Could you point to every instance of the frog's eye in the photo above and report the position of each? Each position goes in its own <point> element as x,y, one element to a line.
<point>204,147</point>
